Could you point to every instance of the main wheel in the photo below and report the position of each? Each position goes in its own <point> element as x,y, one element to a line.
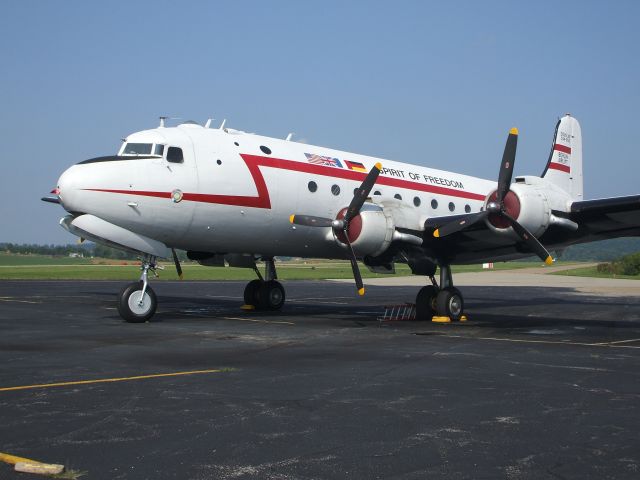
<point>426,302</point>
<point>251,293</point>
<point>270,295</point>
<point>449,303</point>
<point>135,308</point>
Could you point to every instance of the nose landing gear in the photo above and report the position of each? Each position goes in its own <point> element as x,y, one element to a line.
<point>266,293</point>
<point>137,302</point>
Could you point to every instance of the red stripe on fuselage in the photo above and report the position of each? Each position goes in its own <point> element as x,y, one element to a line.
<point>559,166</point>
<point>263,200</point>
<point>562,148</point>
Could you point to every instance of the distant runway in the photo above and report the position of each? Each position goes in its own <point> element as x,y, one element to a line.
<point>542,382</point>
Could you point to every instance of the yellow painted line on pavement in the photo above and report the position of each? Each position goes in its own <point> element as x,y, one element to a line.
<point>110,380</point>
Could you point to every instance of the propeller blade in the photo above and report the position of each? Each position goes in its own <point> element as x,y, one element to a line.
<point>310,221</point>
<point>466,221</point>
<point>354,267</point>
<point>177,262</point>
<point>506,167</point>
<point>531,241</point>
<point>362,192</point>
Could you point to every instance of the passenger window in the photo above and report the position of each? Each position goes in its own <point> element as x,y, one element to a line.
<point>174,155</point>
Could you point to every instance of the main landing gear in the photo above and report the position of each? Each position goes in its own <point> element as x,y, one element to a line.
<point>442,301</point>
<point>137,302</point>
<point>265,293</point>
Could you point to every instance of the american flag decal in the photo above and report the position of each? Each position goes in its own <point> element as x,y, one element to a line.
<point>320,160</point>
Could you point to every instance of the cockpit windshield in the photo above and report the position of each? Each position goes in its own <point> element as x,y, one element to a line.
<point>142,149</point>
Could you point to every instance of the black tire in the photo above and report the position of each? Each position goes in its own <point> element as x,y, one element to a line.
<point>271,295</point>
<point>251,293</point>
<point>128,307</point>
<point>449,303</point>
<point>426,303</point>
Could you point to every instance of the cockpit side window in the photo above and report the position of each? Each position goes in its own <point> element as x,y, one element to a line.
<point>174,155</point>
<point>158,149</point>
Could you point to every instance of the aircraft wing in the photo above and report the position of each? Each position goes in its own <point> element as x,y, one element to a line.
<point>597,220</point>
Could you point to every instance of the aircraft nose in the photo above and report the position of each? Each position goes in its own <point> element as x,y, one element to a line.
<point>69,188</point>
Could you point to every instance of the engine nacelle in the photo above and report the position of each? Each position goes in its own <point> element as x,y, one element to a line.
<point>528,204</point>
<point>370,232</point>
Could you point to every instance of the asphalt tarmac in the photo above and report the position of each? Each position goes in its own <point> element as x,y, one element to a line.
<point>541,383</point>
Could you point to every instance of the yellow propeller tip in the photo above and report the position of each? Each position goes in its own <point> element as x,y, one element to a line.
<point>549,260</point>
<point>291,217</point>
<point>361,291</point>
<point>513,131</point>
<point>379,166</point>
<point>436,233</point>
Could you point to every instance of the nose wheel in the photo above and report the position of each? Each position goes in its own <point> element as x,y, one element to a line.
<point>137,302</point>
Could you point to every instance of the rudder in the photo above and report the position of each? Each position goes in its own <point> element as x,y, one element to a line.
<point>564,167</point>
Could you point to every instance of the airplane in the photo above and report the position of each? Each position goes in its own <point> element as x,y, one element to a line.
<point>225,195</point>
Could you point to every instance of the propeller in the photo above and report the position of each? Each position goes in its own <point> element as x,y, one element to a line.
<point>177,263</point>
<point>341,225</point>
<point>496,210</point>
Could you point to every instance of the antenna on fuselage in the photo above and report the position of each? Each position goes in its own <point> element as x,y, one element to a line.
<point>222,124</point>
<point>162,119</point>
<point>206,125</point>
<point>288,139</point>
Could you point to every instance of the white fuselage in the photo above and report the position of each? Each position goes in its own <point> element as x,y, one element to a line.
<point>234,192</point>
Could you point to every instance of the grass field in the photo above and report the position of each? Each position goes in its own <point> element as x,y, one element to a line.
<point>593,272</point>
<point>38,267</point>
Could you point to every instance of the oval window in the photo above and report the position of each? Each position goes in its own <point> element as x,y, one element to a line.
<point>452,207</point>
<point>266,150</point>
<point>377,192</point>
<point>434,203</point>
<point>335,189</point>
<point>312,186</point>
<point>398,196</point>
<point>417,201</point>
<point>467,209</point>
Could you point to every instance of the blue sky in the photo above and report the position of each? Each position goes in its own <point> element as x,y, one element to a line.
<point>433,83</point>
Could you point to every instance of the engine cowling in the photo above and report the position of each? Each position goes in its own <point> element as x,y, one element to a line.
<point>370,232</point>
<point>528,204</point>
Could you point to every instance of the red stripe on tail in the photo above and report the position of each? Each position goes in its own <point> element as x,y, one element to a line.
<point>562,148</point>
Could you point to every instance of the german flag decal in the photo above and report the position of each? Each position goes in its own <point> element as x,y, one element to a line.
<point>357,166</point>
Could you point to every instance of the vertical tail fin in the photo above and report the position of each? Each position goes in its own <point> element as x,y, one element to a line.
<point>564,167</point>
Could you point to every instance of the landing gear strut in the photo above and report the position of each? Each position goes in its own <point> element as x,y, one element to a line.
<point>137,302</point>
<point>266,293</point>
<point>444,300</point>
